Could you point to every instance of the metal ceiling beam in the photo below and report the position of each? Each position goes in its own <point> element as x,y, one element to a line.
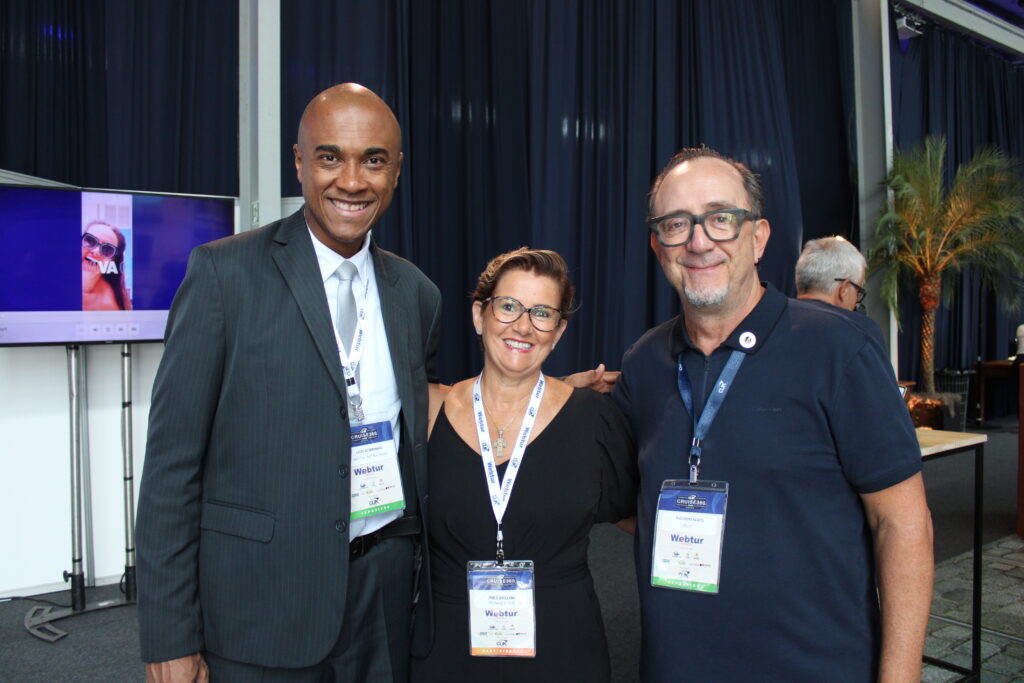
<point>974,21</point>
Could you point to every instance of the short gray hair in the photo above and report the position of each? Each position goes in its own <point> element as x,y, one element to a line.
<point>826,259</point>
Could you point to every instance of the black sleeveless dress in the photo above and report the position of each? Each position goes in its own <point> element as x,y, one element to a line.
<point>579,471</point>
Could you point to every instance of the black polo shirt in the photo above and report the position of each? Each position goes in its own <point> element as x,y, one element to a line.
<point>858,319</point>
<point>812,420</point>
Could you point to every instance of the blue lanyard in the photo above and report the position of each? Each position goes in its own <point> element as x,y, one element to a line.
<point>707,416</point>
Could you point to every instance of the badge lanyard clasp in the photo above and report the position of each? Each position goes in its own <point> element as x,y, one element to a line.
<point>694,460</point>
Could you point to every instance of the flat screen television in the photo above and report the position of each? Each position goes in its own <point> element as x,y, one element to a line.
<point>94,266</point>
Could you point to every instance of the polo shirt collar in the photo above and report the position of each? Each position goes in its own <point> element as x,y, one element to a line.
<point>750,334</point>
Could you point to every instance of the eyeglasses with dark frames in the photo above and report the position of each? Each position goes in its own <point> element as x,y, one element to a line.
<point>508,310</point>
<point>861,292</point>
<point>676,229</point>
<point>92,243</point>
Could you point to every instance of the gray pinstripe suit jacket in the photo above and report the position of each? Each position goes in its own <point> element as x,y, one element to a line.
<point>245,486</point>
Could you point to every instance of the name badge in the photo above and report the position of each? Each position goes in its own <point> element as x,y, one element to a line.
<point>376,479</point>
<point>502,622</point>
<point>688,533</point>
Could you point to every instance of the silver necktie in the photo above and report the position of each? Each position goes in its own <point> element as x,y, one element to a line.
<point>346,304</point>
<point>347,314</point>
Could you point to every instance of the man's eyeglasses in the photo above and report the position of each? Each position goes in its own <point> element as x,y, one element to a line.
<point>861,292</point>
<point>104,249</point>
<point>721,225</point>
<point>508,310</point>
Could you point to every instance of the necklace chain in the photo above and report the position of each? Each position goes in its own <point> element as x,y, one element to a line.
<point>500,443</point>
<point>501,430</point>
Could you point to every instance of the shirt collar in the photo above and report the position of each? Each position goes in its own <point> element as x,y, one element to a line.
<point>751,334</point>
<point>329,260</point>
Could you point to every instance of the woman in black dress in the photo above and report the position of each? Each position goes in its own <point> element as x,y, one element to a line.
<point>578,468</point>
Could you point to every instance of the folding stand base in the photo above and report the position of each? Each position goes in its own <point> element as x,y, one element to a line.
<point>39,618</point>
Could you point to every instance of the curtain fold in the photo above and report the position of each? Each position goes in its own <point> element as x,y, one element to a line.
<point>53,85</point>
<point>122,95</point>
<point>173,95</point>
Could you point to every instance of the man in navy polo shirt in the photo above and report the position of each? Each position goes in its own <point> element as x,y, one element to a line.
<point>783,532</point>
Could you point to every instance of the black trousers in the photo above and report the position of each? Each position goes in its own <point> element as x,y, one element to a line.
<point>373,646</point>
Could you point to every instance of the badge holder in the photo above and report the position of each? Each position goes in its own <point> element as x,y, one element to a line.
<point>376,480</point>
<point>688,534</point>
<point>502,620</point>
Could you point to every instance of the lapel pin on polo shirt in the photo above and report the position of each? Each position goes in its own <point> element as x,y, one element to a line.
<point>747,340</point>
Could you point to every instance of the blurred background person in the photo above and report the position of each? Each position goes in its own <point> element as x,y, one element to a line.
<point>571,465</point>
<point>832,270</point>
<point>103,281</point>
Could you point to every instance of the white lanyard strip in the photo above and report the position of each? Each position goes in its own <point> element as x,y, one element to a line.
<point>501,491</point>
<point>349,363</point>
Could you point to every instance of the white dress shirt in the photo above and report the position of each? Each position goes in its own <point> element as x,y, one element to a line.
<point>377,384</point>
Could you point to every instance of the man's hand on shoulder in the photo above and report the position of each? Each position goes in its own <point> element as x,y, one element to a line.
<point>190,669</point>
<point>598,379</point>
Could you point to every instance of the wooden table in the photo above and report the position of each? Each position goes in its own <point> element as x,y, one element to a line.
<point>939,444</point>
<point>935,443</point>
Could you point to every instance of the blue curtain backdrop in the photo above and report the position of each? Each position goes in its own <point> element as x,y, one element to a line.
<point>947,83</point>
<point>525,122</point>
<point>121,94</point>
<point>53,90</point>
<point>543,123</point>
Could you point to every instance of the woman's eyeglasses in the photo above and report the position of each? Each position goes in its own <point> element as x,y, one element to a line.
<point>508,310</point>
<point>104,249</point>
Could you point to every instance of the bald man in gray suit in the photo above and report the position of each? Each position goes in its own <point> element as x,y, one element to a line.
<point>261,557</point>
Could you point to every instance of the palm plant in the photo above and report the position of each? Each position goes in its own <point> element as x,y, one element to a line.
<point>929,234</point>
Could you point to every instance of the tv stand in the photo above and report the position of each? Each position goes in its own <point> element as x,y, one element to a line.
<point>39,620</point>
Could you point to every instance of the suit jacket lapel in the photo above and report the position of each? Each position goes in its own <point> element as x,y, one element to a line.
<point>297,262</point>
<point>393,310</point>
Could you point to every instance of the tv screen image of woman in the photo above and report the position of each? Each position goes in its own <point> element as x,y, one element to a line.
<point>104,266</point>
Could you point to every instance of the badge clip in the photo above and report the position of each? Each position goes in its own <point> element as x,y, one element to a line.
<point>357,407</point>
<point>694,461</point>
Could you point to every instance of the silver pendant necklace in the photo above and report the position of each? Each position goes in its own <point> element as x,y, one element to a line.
<point>499,444</point>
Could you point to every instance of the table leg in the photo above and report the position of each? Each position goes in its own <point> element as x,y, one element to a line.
<point>979,489</point>
<point>981,396</point>
<point>1020,449</point>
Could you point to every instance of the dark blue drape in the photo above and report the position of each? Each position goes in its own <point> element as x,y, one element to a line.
<point>121,94</point>
<point>946,83</point>
<point>53,89</point>
<point>544,123</point>
<point>525,122</point>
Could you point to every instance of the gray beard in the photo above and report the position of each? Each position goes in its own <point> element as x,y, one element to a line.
<point>705,298</point>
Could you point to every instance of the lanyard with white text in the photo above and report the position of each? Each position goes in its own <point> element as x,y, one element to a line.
<point>501,491</point>
<point>707,416</point>
<point>349,363</point>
